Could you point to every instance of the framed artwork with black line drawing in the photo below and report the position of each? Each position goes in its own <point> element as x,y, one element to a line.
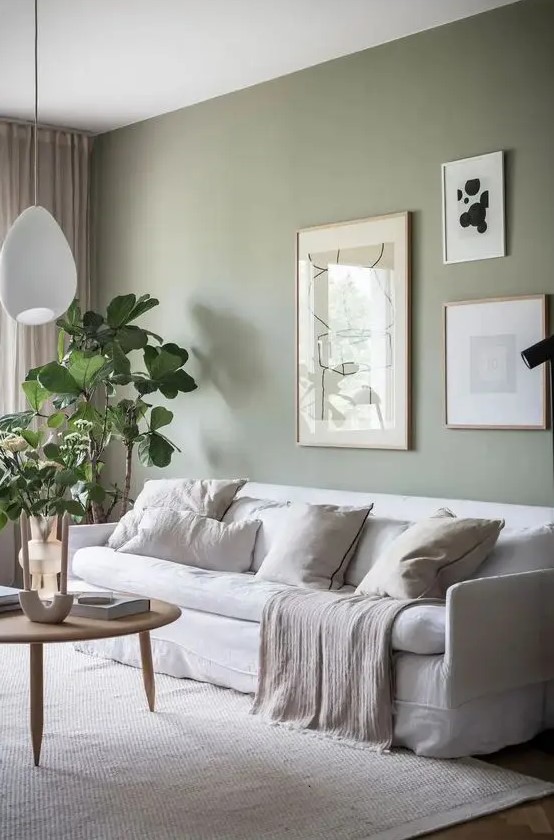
<point>352,334</point>
<point>473,219</point>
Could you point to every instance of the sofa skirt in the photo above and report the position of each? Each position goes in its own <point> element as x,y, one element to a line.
<point>224,651</point>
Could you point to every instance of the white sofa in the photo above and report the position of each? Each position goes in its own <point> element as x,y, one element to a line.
<point>471,677</point>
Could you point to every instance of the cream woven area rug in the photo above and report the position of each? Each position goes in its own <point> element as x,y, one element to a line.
<point>202,767</point>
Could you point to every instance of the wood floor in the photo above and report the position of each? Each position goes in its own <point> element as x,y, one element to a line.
<point>524,822</point>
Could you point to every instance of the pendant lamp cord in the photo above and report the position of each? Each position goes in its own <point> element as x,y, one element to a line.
<point>36,107</point>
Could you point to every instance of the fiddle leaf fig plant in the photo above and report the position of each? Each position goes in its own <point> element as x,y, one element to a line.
<point>98,391</point>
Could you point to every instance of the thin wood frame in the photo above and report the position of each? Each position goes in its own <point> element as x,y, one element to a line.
<point>545,387</point>
<point>407,442</point>
<point>502,193</point>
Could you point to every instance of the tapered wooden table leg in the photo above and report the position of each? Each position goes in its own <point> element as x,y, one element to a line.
<point>147,668</point>
<point>36,691</point>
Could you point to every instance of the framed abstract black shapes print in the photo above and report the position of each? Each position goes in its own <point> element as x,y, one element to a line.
<point>473,208</point>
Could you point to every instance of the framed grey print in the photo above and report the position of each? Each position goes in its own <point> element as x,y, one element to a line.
<point>473,208</point>
<point>487,384</point>
<point>352,296</point>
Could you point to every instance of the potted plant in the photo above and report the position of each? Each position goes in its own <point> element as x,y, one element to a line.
<point>52,454</point>
<point>37,486</point>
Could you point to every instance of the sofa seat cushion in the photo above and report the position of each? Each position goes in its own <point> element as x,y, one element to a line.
<point>418,629</point>
<point>231,594</point>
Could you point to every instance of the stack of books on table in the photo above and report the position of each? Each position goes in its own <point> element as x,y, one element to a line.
<point>9,599</point>
<point>108,605</point>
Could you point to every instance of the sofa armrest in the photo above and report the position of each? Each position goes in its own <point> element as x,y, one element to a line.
<point>83,536</point>
<point>499,634</point>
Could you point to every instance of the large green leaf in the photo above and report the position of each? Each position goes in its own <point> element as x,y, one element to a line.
<point>120,363</point>
<point>96,493</point>
<point>13,510</point>
<point>120,309</point>
<point>85,368</point>
<point>179,381</point>
<point>144,385</point>
<point>160,416</point>
<point>34,439</point>
<point>58,380</point>
<point>155,450</point>
<point>3,519</point>
<point>73,507</point>
<point>67,478</point>
<point>61,345</point>
<point>126,308</point>
<point>175,350</point>
<point>71,322</point>
<point>160,361</point>
<point>53,453</point>
<point>35,393</point>
<point>132,338</point>
<point>33,373</point>
<point>143,304</point>
<point>56,420</point>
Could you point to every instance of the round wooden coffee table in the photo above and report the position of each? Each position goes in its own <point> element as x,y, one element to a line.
<point>15,628</point>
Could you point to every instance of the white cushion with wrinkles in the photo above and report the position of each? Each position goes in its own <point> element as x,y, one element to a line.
<point>520,550</point>
<point>271,516</point>
<point>418,629</point>
<point>183,537</point>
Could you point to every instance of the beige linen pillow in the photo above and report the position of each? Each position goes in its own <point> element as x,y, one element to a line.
<point>206,497</point>
<point>314,546</point>
<point>184,537</point>
<point>432,555</point>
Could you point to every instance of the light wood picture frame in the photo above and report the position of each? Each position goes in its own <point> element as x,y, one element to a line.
<point>486,383</point>
<point>353,334</point>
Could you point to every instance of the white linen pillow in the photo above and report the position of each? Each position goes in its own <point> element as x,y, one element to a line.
<point>206,497</point>
<point>184,537</point>
<point>520,550</point>
<point>376,535</point>
<point>126,528</point>
<point>430,556</point>
<point>314,545</point>
<point>271,515</point>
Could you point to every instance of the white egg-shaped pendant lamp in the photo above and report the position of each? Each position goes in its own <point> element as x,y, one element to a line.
<point>38,276</point>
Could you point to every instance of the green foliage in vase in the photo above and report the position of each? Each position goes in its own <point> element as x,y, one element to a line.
<point>31,482</point>
<point>92,395</point>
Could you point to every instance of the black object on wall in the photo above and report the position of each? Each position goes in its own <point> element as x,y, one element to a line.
<point>539,354</point>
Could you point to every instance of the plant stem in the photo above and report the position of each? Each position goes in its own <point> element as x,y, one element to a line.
<point>128,471</point>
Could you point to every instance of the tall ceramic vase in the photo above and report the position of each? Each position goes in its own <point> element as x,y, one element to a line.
<point>45,555</point>
<point>58,608</point>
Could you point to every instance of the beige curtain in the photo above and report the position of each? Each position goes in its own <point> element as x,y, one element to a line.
<point>63,188</point>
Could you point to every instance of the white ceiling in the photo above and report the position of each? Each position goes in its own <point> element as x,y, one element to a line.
<point>108,63</point>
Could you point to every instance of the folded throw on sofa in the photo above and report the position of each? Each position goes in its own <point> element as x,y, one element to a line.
<point>325,664</point>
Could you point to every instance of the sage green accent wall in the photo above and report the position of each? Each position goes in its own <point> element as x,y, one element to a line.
<point>200,208</point>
